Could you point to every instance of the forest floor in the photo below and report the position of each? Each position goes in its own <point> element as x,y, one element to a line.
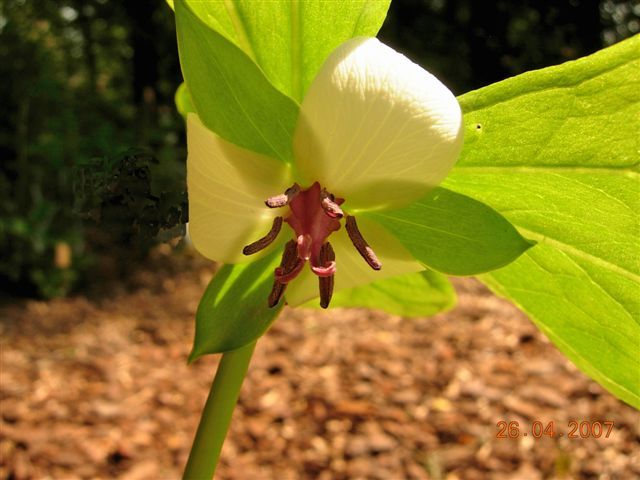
<point>98,387</point>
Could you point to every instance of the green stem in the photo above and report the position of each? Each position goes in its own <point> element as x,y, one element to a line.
<point>217,413</point>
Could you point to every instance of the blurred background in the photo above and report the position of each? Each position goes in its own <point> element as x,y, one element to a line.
<point>92,207</point>
<point>92,147</point>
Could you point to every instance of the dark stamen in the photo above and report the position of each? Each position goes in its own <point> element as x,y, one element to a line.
<point>285,276</point>
<point>289,256</point>
<point>276,293</point>
<point>290,265</point>
<point>327,257</point>
<point>330,207</point>
<point>360,243</point>
<point>284,198</point>
<point>265,241</point>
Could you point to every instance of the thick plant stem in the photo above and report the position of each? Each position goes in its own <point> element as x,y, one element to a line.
<point>217,413</point>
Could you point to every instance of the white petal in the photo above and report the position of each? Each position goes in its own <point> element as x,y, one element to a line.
<point>375,128</point>
<point>352,270</point>
<point>227,188</point>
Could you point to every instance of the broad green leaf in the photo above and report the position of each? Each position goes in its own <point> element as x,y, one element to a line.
<point>556,151</point>
<point>454,234</point>
<point>229,91</point>
<point>413,295</point>
<point>183,100</point>
<point>290,39</point>
<point>233,310</point>
<point>577,304</point>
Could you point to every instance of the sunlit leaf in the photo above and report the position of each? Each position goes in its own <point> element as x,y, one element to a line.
<point>556,151</point>
<point>233,310</point>
<point>412,295</point>
<point>290,39</point>
<point>584,308</point>
<point>454,234</point>
<point>230,93</point>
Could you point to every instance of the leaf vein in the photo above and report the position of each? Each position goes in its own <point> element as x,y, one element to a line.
<point>566,248</point>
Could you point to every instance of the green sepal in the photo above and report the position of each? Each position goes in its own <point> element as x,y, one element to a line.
<point>230,93</point>
<point>418,294</point>
<point>233,310</point>
<point>290,39</point>
<point>454,234</point>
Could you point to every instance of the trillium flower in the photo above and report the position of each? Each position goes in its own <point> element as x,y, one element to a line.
<point>375,132</point>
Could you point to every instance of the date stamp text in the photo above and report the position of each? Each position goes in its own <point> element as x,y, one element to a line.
<point>538,429</point>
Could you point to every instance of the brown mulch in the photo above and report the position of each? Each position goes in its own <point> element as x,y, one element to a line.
<point>100,389</point>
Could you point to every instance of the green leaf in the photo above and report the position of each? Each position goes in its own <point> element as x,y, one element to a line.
<point>577,304</point>
<point>290,39</point>
<point>556,151</point>
<point>413,295</point>
<point>183,100</point>
<point>233,310</point>
<point>454,234</point>
<point>229,91</point>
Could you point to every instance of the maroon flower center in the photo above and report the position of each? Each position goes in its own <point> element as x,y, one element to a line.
<point>314,214</point>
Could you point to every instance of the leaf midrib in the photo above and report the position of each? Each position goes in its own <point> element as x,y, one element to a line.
<point>627,171</point>
<point>499,288</point>
<point>478,98</point>
<point>241,32</point>
<point>296,54</point>
<point>566,248</point>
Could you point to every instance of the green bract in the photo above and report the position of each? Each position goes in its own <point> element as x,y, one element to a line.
<point>411,295</point>
<point>557,152</point>
<point>289,40</point>
<point>229,91</point>
<point>232,311</point>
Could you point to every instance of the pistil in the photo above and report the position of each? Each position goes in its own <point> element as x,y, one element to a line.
<point>314,214</point>
<point>291,263</point>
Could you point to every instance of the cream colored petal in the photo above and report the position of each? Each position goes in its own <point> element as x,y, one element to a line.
<point>352,270</point>
<point>227,188</point>
<point>375,128</point>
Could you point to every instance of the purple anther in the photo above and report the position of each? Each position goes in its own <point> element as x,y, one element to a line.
<point>327,257</point>
<point>329,205</point>
<point>283,199</point>
<point>361,244</point>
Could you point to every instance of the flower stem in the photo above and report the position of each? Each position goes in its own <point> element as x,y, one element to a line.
<point>217,413</point>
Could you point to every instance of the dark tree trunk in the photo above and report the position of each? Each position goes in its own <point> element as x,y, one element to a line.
<point>145,62</point>
<point>488,22</point>
<point>84,23</point>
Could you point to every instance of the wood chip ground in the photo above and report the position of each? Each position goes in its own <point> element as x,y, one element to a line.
<point>98,387</point>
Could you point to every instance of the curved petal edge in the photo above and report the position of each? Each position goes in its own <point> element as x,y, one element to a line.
<point>376,128</point>
<point>227,187</point>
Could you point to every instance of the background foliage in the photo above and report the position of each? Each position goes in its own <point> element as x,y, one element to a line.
<point>83,82</point>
